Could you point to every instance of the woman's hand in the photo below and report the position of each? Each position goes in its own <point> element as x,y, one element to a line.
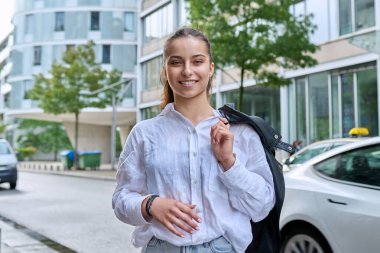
<point>170,212</point>
<point>222,141</point>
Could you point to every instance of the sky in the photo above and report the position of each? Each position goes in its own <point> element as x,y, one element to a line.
<point>6,12</point>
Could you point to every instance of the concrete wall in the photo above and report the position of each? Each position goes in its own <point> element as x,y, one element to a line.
<point>91,137</point>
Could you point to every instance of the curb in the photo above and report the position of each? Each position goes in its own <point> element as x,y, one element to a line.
<point>99,175</point>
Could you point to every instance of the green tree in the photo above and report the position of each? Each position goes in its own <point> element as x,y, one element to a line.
<point>44,136</point>
<point>68,89</point>
<point>260,37</point>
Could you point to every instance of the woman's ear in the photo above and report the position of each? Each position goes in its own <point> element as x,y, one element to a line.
<point>212,68</point>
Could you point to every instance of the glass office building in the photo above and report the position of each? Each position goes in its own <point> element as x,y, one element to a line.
<point>322,102</point>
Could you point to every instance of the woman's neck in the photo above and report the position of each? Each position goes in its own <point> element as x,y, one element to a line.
<point>194,111</point>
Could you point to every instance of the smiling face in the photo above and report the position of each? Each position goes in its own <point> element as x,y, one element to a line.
<point>188,68</point>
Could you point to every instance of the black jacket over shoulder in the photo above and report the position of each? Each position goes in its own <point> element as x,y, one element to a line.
<point>266,233</point>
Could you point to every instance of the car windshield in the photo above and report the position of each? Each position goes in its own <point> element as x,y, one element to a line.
<point>310,152</point>
<point>4,150</point>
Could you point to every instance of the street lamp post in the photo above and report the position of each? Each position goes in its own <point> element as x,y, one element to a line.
<point>114,109</point>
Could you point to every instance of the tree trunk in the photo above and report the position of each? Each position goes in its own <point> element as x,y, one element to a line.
<point>241,89</point>
<point>76,160</point>
<point>55,145</point>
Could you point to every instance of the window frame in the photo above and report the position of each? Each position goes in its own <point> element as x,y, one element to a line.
<point>37,55</point>
<point>129,16</point>
<point>106,54</point>
<point>59,25</point>
<point>95,21</point>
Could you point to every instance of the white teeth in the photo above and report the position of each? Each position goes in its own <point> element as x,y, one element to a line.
<point>187,82</point>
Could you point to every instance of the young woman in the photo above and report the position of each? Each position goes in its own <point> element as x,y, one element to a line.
<point>187,180</point>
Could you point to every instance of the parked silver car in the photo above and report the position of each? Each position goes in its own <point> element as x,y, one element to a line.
<point>8,164</point>
<point>332,201</point>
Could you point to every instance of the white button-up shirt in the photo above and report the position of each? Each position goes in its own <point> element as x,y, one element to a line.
<point>169,156</point>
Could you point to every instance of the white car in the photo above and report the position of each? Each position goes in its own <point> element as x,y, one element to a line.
<point>8,164</point>
<point>332,201</point>
<point>313,150</point>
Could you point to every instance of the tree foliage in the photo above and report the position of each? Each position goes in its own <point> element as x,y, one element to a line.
<point>260,37</point>
<point>68,87</point>
<point>44,136</point>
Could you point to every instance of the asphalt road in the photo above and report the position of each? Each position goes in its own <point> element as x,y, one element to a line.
<point>75,212</point>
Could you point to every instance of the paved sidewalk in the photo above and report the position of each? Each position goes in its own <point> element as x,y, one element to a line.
<point>18,239</point>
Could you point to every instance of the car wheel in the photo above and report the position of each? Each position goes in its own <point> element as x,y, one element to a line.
<point>13,185</point>
<point>306,240</point>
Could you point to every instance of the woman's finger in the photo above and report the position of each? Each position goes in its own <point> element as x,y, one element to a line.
<point>188,220</point>
<point>172,229</point>
<point>179,223</point>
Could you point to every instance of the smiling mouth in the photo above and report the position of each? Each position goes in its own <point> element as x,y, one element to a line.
<point>188,83</point>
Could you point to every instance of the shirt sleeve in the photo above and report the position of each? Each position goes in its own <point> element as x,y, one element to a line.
<point>131,187</point>
<point>250,185</point>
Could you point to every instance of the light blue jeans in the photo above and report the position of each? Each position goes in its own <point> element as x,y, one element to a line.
<point>218,245</point>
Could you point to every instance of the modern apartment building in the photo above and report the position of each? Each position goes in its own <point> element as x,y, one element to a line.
<point>44,29</point>
<point>5,69</point>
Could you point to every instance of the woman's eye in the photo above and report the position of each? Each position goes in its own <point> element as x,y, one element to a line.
<point>175,63</point>
<point>198,62</point>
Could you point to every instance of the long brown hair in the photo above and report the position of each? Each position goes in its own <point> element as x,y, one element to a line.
<point>167,94</point>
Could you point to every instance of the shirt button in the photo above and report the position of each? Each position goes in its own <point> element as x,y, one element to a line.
<point>194,153</point>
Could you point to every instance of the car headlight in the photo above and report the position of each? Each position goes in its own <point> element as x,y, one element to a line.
<point>12,166</point>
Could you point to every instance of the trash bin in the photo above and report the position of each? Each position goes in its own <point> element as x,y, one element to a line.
<point>89,159</point>
<point>67,158</point>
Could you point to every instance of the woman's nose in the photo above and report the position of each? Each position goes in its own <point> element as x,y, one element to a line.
<point>187,70</point>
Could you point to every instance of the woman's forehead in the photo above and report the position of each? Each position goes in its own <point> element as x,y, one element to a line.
<point>187,46</point>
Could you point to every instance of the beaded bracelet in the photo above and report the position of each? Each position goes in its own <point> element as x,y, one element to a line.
<point>149,203</point>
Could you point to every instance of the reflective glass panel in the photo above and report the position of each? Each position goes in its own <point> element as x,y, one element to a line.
<point>301,109</point>
<point>335,106</point>
<point>364,14</point>
<point>368,100</point>
<point>348,116</point>
<point>318,107</point>
<point>345,17</point>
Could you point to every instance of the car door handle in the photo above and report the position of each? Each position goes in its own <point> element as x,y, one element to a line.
<point>336,202</point>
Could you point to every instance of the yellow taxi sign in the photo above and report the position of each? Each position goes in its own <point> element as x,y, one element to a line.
<point>358,131</point>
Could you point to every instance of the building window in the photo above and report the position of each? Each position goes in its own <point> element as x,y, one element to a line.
<point>158,24</point>
<point>59,21</point>
<point>94,22</point>
<point>106,54</point>
<point>318,107</point>
<point>151,73</point>
<point>150,112</point>
<point>37,55</point>
<point>29,24</point>
<point>330,104</point>
<point>301,109</point>
<point>129,21</point>
<point>354,19</point>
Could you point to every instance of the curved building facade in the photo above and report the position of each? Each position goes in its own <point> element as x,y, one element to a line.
<point>45,29</point>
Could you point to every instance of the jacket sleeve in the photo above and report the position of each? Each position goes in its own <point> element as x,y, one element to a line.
<point>131,187</point>
<point>250,185</point>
